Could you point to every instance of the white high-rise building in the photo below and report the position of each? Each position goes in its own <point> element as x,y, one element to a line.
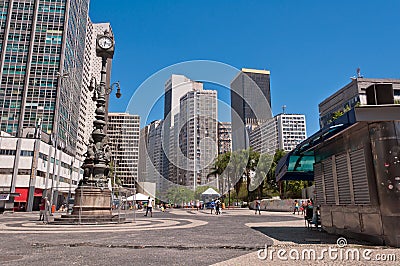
<point>291,130</point>
<point>283,131</point>
<point>175,87</point>
<point>123,131</point>
<point>198,137</point>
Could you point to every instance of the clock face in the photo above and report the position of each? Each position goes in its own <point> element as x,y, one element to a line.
<point>105,42</point>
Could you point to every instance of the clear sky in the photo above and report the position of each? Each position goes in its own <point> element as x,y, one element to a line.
<point>312,48</point>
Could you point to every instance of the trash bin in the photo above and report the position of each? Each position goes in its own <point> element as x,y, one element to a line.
<point>53,208</point>
<point>223,205</point>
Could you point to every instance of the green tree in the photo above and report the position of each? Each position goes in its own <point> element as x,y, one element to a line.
<point>177,195</point>
<point>250,169</point>
<point>293,189</point>
<point>263,168</point>
<point>220,165</point>
<point>271,185</point>
<point>236,169</point>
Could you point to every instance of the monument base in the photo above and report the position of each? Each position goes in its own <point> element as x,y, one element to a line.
<point>92,205</point>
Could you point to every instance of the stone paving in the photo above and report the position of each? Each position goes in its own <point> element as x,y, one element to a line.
<point>176,237</point>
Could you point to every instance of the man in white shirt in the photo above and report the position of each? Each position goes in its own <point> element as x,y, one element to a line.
<point>149,207</point>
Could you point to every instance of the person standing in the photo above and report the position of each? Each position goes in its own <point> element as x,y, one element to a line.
<point>258,206</point>
<point>149,207</point>
<point>42,208</point>
<point>46,210</point>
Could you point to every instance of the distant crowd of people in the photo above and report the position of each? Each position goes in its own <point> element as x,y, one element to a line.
<point>301,206</point>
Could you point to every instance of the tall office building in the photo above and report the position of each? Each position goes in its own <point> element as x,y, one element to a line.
<point>283,131</point>
<point>39,39</point>
<point>224,137</point>
<point>151,157</point>
<point>250,104</point>
<point>123,131</point>
<point>175,87</point>
<point>355,93</point>
<point>264,138</point>
<point>92,67</point>
<point>198,137</point>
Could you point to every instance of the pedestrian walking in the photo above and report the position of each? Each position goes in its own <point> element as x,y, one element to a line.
<point>258,206</point>
<point>212,205</point>
<point>149,207</point>
<point>296,207</point>
<point>217,206</point>
<point>303,207</point>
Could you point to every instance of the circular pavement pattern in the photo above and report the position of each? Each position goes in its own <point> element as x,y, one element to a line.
<point>30,227</point>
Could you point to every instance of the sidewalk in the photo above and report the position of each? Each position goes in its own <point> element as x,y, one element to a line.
<point>296,244</point>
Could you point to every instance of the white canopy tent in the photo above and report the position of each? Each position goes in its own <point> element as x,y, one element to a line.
<point>209,195</point>
<point>138,196</point>
<point>210,191</point>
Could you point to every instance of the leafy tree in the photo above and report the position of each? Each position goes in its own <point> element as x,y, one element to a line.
<point>237,167</point>
<point>271,184</point>
<point>220,165</point>
<point>293,189</point>
<point>251,165</point>
<point>177,195</point>
<point>260,179</point>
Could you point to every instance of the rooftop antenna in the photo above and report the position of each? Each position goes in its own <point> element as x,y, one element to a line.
<point>359,73</point>
<point>283,109</point>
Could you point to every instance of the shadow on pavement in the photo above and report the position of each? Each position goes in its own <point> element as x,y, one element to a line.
<point>304,235</point>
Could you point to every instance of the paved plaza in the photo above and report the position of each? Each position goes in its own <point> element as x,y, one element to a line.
<point>175,237</point>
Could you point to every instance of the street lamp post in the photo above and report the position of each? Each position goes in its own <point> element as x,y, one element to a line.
<point>70,184</point>
<point>54,141</point>
<point>229,192</point>
<point>92,195</point>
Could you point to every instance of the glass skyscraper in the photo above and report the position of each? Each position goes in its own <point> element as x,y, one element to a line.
<point>40,41</point>
<point>251,104</point>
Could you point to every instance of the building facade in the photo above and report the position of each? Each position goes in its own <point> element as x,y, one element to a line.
<point>198,137</point>
<point>123,132</point>
<point>175,87</point>
<point>28,168</point>
<point>224,137</point>
<point>283,131</point>
<point>151,157</point>
<point>41,41</point>
<point>250,104</point>
<point>264,139</point>
<point>291,130</point>
<point>353,94</point>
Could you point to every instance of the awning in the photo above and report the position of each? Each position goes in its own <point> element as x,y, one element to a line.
<point>299,163</point>
<point>23,197</point>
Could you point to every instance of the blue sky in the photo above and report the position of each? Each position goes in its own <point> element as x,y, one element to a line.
<point>312,48</point>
